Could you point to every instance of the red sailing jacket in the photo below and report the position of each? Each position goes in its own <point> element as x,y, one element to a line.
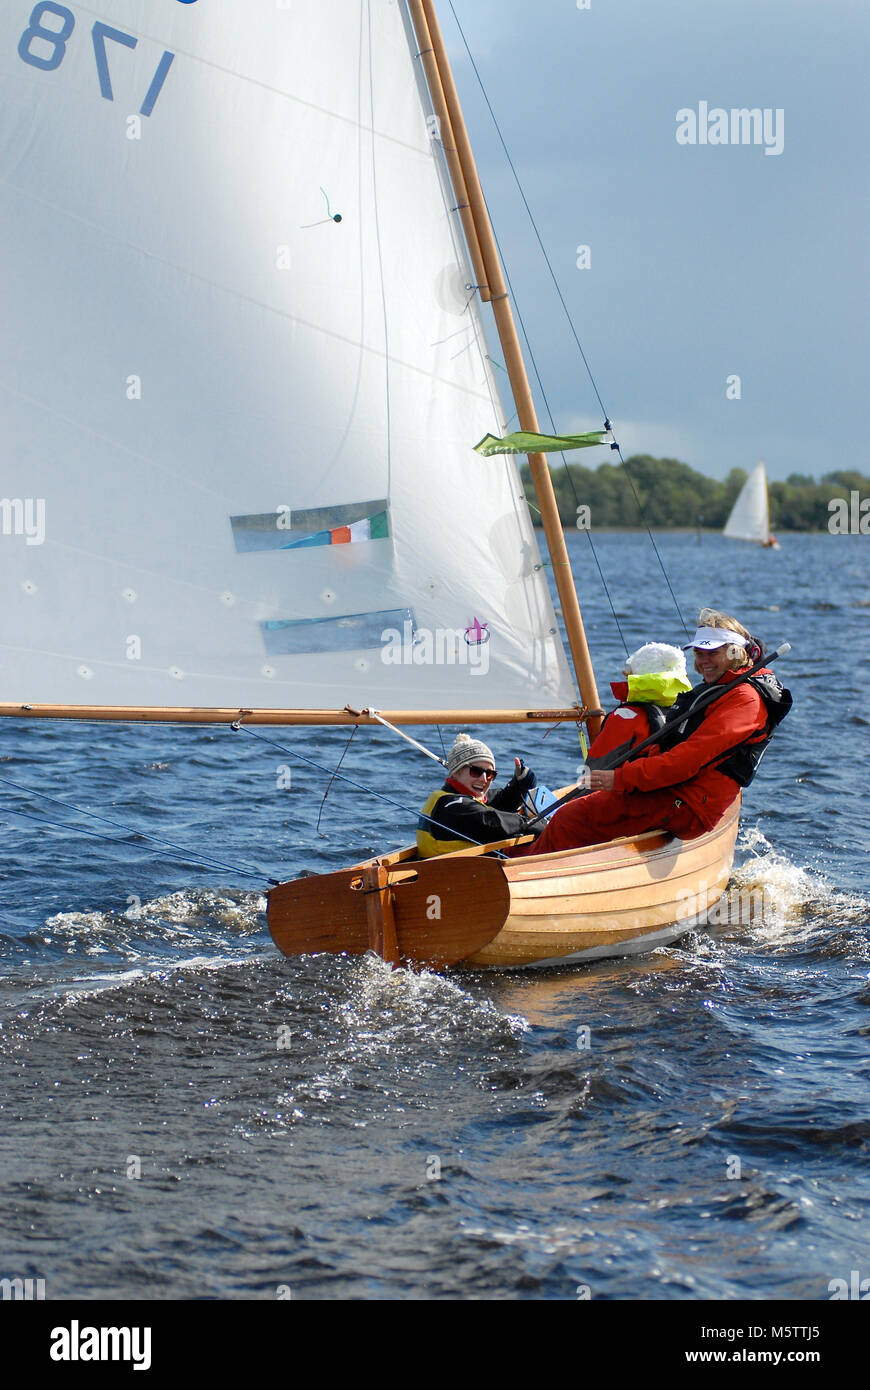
<point>729,721</point>
<point>624,727</point>
<point>627,724</point>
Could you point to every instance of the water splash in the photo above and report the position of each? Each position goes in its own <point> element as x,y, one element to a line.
<point>387,1007</point>
<point>173,920</point>
<point>785,905</point>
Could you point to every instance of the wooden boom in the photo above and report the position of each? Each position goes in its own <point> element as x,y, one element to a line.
<point>165,714</point>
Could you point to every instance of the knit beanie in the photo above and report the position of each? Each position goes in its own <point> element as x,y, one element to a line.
<point>467,750</point>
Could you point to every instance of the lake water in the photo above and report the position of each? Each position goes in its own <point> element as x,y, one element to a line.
<point>327,1128</point>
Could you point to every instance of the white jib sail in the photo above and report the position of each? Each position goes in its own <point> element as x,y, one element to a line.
<point>749,519</point>
<point>242,372</point>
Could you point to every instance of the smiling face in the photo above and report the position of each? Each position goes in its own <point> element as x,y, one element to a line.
<point>476,776</point>
<point>711,664</point>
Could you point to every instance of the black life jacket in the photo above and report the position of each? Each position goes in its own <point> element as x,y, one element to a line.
<point>741,763</point>
<point>656,716</point>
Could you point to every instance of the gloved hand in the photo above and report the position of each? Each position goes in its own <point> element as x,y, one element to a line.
<point>513,793</point>
<point>521,784</point>
<point>523,779</point>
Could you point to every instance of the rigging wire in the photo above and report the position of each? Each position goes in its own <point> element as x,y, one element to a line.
<point>546,401</point>
<point>238,727</point>
<point>207,863</point>
<point>561,297</point>
<point>63,825</point>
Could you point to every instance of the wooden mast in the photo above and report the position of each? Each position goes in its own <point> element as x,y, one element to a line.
<point>451,154</point>
<point>446,98</point>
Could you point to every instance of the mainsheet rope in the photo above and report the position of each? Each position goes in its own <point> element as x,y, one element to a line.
<point>344,752</point>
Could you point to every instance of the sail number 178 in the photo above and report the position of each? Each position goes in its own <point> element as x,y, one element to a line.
<point>43,45</point>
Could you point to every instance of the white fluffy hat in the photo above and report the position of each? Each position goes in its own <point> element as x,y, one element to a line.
<point>656,658</point>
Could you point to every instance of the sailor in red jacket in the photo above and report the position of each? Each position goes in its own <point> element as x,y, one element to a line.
<point>655,676</point>
<point>687,787</point>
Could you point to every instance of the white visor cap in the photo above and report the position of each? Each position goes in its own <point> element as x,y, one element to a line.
<point>709,638</point>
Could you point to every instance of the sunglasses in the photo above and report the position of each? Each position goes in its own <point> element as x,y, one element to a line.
<point>488,772</point>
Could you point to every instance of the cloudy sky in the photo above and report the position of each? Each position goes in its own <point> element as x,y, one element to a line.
<point>707,261</point>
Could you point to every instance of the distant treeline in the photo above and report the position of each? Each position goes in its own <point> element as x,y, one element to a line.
<point>672,494</point>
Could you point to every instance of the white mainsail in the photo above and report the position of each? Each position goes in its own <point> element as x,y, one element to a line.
<point>242,372</point>
<point>749,519</point>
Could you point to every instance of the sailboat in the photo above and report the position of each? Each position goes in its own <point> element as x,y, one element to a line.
<point>244,366</point>
<point>749,518</point>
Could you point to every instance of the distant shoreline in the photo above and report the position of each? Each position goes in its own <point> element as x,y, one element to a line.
<point>667,495</point>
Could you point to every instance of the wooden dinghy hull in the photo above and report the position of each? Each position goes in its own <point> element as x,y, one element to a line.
<point>621,898</point>
<point>615,899</point>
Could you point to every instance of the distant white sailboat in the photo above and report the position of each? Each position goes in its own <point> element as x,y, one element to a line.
<point>750,516</point>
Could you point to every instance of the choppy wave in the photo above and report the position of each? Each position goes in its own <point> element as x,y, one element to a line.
<point>182,918</point>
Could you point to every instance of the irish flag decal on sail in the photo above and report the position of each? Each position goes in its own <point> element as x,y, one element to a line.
<point>370,528</point>
<point>289,528</point>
